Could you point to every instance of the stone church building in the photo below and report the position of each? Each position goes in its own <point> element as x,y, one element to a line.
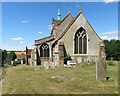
<point>72,36</point>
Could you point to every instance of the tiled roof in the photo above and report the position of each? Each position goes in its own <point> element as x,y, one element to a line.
<point>62,21</point>
<point>20,56</point>
<point>44,38</point>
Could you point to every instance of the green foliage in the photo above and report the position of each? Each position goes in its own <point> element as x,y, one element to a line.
<point>4,56</point>
<point>67,57</point>
<point>112,49</point>
<point>23,60</point>
<point>13,55</point>
<point>16,62</point>
<point>22,54</point>
<point>8,59</point>
<point>110,63</point>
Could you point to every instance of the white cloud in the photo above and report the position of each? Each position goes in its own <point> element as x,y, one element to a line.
<point>49,27</point>
<point>109,1</point>
<point>25,21</point>
<point>109,38</point>
<point>112,32</point>
<point>16,38</point>
<point>21,42</point>
<point>40,32</point>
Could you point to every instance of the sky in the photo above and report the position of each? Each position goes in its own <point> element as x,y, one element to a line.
<point>25,22</point>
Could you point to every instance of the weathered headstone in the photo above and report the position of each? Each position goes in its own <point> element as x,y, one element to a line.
<point>11,62</point>
<point>21,61</point>
<point>46,64</point>
<point>101,70</point>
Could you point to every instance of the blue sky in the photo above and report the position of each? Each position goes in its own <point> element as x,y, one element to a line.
<point>24,22</point>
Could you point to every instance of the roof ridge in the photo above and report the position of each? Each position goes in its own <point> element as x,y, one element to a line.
<point>65,18</point>
<point>73,22</point>
<point>69,25</point>
<point>62,21</point>
<point>44,37</point>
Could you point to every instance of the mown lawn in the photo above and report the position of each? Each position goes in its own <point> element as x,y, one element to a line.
<point>80,80</point>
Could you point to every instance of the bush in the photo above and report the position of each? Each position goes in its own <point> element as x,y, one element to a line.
<point>110,63</point>
<point>16,62</point>
<point>67,57</point>
<point>23,60</point>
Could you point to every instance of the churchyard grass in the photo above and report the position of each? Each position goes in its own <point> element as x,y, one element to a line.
<point>23,79</point>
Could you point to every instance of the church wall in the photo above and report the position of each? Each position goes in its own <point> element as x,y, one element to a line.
<point>50,50</point>
<point>93,40</point>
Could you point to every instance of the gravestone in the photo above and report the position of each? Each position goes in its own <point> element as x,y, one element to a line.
<point>21,61</point>
<point>11,62</point>
<point>46,64</point>
<point>101,68</point>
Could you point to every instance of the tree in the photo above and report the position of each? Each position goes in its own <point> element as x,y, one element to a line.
<point>9,59</point>
<point>4,56</point>
<point>112,49</point>
<point>13,55</point>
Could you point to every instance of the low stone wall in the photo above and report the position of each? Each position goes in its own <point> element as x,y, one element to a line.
<point>84,58</point>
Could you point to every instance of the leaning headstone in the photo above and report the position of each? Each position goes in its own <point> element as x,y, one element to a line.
<point>101,70</point>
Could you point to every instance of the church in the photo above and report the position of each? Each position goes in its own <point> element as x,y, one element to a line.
<point>72,37</point>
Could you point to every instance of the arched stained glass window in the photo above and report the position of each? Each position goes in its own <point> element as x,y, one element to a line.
<point>80,41</point>
<point>44,50</point>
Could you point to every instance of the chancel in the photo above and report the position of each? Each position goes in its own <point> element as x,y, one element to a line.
<point>72,36</point>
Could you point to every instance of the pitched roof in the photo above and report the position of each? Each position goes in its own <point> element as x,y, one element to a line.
<point>72,23</point>
<point>65,18</point>
<point>62,21</point>
<point>44,38</point>
<point>20,56</point>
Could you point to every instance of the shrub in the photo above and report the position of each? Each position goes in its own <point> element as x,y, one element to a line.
<point>16,62</point>
<point>23,60</point>
<point>110,63</point>
<point>67,57</point>
<point>22,54</point>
